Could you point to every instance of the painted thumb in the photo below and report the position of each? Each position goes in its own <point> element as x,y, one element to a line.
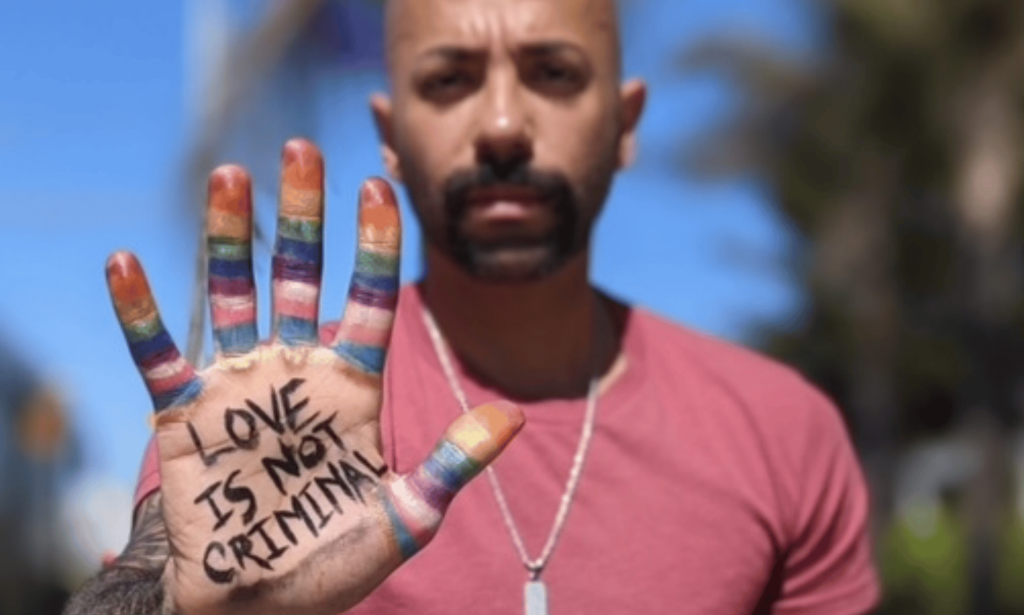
<point>419,499</point>
<point>483,432</point>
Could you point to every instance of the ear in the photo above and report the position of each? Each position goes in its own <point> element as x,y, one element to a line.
<point>380,106</point>
<point>633,99</point>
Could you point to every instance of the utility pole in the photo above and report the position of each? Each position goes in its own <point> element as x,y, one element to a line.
<point>225,70</point>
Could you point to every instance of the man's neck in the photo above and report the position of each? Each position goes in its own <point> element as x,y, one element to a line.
<point>537,340</point>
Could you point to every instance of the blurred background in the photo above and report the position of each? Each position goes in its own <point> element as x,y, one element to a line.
<point>835,182</point>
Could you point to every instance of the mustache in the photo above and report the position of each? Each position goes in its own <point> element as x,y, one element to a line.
<point>550,185</point>
<point>553,188</point>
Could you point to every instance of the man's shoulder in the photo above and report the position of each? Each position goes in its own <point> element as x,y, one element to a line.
<point>726,361</point>
<point>720,372</point>
<point>764,406</point>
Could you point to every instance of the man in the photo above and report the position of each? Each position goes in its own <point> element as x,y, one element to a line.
<point>659,471</point>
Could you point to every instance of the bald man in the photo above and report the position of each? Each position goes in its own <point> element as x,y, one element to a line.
<point>659,470</point>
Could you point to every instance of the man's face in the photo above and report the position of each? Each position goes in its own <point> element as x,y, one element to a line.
<point>506,126</point>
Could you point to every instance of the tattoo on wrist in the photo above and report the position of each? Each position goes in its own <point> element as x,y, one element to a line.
<point>148,548</point>
<point>133,584</point>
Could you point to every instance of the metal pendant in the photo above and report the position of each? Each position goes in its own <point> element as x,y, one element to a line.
<point>536,598</point>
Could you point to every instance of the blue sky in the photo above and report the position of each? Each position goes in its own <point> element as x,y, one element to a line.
<point>94,125</point>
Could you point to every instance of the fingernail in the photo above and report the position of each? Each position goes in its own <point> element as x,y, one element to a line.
<point>376,192</point>
<point>486,430</point>
<point>502,418</point>
<point>129,290</point>
<point>229,190</point>
<point>302,165</point>
<point>379,218</point>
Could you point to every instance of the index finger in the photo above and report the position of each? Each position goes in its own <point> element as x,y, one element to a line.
<point>298,250</point>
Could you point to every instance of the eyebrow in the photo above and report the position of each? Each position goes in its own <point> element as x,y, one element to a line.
<point>452,53</point>
<point>547,48</point>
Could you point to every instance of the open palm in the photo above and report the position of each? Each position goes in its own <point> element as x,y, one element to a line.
<point>276,497</point>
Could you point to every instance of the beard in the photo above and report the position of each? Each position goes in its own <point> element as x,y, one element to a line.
<point>513,255</point>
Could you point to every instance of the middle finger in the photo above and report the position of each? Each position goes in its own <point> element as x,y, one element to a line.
<point>298,250</point>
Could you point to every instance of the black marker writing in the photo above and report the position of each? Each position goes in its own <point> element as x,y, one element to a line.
<point>241,427</point>
<point>249,438</point>
<point>209,459</point>
<point>217,575</point>
<point>220,517</point>
<point>238,495</point>
<point>316,475</point>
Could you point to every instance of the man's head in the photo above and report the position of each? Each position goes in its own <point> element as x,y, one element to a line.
<point>506,124</point>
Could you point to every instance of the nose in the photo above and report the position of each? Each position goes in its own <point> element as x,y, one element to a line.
<point>504,138</point>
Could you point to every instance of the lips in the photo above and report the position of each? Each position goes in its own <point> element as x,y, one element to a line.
<point>505,201</point>
<point>523,207</point>
<point>512,194</point>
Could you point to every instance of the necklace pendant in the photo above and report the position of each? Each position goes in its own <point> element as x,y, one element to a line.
<point>536,598</point>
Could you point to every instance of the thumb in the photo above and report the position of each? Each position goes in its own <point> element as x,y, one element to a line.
<point>416,502</point>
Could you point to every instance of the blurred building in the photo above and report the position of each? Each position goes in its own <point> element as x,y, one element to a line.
<point>37,452</point>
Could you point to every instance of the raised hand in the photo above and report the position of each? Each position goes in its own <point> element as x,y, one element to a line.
<point>275,495</point>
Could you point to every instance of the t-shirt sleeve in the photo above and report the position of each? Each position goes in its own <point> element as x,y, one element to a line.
<point>149,475</point>
<point>829,566</point>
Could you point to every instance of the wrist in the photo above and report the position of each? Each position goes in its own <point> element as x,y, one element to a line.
<point>167,605</point>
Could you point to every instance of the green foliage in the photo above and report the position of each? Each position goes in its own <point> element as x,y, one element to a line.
<point>896,156</point>
<point>862,149</point>
<point>923,561</point>
<point>1010,575</point>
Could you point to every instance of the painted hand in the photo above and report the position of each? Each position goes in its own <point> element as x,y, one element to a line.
<point>276,497</point>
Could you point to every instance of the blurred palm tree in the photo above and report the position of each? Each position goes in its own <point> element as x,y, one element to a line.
<point>896,156</point>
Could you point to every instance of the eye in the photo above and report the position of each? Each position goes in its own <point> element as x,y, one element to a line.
<point>556,78</point>
<point>556,73</point>
<point>446,85</point>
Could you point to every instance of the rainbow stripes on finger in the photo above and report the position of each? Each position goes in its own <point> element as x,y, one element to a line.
<point>365,330</point>
<point>298,250</point>
<point>297,267</point>
<point>416,502</point>
<point>168,376</point>
<point>229,242</point>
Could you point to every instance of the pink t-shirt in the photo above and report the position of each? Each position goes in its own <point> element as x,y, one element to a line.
<point>718,482</point>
